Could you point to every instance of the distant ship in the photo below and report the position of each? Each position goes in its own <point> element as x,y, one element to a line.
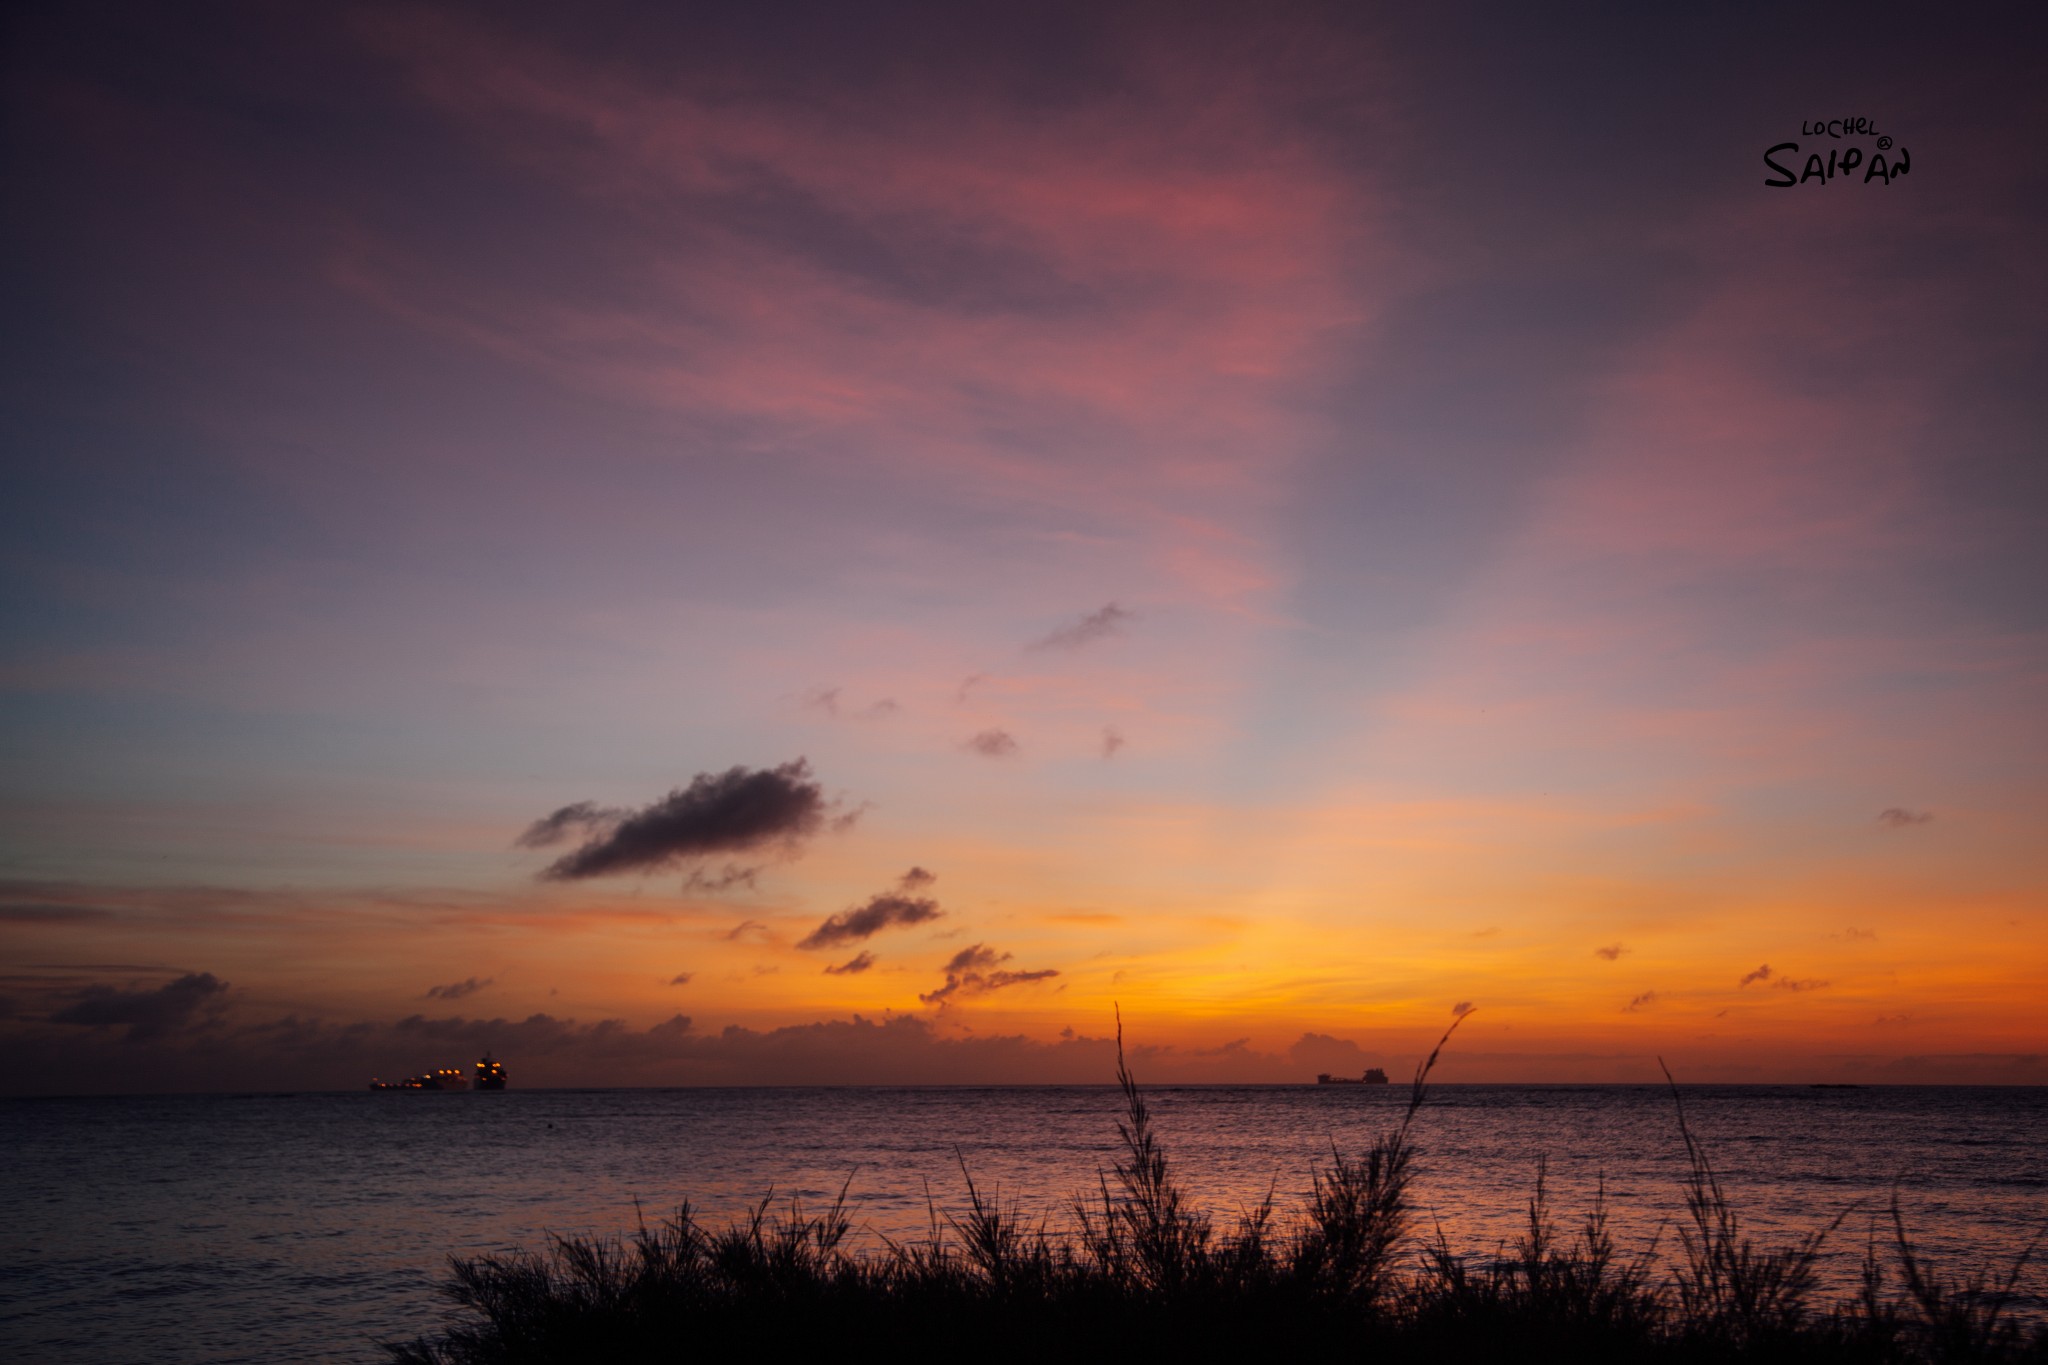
<point>447,1078</point>
<point>1373,1076</point>
<point>490,1075</point>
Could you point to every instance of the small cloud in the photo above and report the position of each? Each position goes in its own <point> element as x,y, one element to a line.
<point>829,701</point>
<point>968,685</point>
<point>1490,931</point>
<point>1893,1020</point>
<point>748,931</point>
<point>681,978</point>
<point>1112,740</point>
<point>1640,1003</point>
<point>1461,1009</point>
<point>916,879</point>
<point>455,990</point>
<point>975,958</point>
<point>1898,817</point>
<point>1611,951</point>
<point>971,971</point>
<point>1852,933</point>
<point>733,875</point>
<point>724,812</point>
<point>1096,625</point>
<point>1786,983</point>
<point>1762,973</point>
<point>885,910</point>
<point>992,744</point>
<point>853,967</point>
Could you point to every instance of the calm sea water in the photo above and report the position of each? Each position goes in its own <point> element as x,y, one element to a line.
<point>312,1227</point>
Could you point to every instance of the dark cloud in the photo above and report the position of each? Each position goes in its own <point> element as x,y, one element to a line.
<point>1762,973</point>
<point>147,1014</point>
<point>681,978</point>
<point>725,812</point>
<point>993,744</point>
<point>1898,817</point>
<point>885,910</point>
<point>749,929</point>
<point>970,972</point>
<point>1786,983</point>
<point>456,990</point>
<point>1611,951</point>
<point>973,959</point>
<point>1640,1003</point>
<point>585,818</point>
<point>1097,625</point>
<point>854,966</point>
<point>1112,740</point>
<point>916,879</point>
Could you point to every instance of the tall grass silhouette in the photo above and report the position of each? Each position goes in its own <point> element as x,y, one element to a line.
<point>1142,1272</point>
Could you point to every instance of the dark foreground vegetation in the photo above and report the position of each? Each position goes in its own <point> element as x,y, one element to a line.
<point>1141,1275</point>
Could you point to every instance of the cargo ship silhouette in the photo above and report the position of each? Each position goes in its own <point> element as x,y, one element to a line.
<point>490,1075</point>
<point>1373,1076</point>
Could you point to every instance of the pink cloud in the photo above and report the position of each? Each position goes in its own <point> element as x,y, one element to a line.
<point>1103,310</point>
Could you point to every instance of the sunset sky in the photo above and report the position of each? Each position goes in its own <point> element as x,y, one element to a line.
<point>1288,520</point>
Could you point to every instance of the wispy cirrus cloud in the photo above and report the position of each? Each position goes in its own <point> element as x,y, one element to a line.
<point>1097,625</point>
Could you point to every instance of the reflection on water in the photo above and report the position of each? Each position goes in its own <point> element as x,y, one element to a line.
<point>308,1227</point>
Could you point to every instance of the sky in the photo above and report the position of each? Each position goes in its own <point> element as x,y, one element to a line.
<point>729,544</point>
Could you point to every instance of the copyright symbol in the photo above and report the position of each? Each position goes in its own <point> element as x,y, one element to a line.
<point>1884,144</point>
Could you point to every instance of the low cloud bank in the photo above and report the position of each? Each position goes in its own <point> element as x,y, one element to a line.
<point>146,1014</point>
<point>40,1055</point>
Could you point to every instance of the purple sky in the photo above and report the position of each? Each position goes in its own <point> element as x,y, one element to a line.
<point>1297,516</point>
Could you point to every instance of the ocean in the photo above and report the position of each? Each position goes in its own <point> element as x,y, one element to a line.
<point>315,1226</point>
